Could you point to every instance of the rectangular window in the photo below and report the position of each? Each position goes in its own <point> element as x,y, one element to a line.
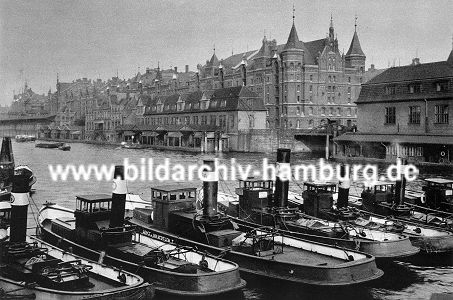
<point>390,115</point>
<point>441,114</point>
<point>414,115</point>
<point>390,90</point>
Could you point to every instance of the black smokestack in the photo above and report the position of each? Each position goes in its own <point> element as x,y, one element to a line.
<point>210,189</point>
<point>282,186</point>
<point>118,198</point>
<point>343,188</point>
<point>400,185</point>
<point>19,205</point>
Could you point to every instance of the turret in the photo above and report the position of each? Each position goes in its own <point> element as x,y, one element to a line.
<point>281,183</point>
<point>118,198</point>
<point>20,196</point>
<point>355,58</point>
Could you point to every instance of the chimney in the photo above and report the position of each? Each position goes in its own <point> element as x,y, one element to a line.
<point>343,188</point>
<point>176,69</point>
<point>187,68</point>
<point>415,61</point>
<point>244,72</point>
<point>19,205</point>
<point>281,186</point>
<point>400,186</point>
<point>118,198</point>
<point>210,189</point>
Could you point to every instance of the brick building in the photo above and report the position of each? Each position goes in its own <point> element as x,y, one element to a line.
<point>300,83</point>
<point>405,112</point>
<point>216,120</point>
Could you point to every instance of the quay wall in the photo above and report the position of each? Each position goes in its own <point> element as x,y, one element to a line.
<point>252,140</point>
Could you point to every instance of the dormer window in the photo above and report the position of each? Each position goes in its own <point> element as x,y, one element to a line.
<point>442,86</point>
<point>415,88</point>
<point>390,90</point>
<point>180,106</point>
<point>213,103</point>
<point>223,103</point>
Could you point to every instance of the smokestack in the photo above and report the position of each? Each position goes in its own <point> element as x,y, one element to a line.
<point>210,189</point>
<point>281,186</point>
<point>187,68</point>
<point>176,69</point>
<point>343,188</point>
<point>400,186</point>
<point>222,85</point>
<point>118,198</point>
<point>19,204</point>
<point>244,73</point>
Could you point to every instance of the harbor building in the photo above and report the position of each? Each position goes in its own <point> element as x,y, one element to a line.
<point>210,121</point>
<point>404,112</point>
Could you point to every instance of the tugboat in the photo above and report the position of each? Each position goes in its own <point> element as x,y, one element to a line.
<point>96,230</point>
<point>382,204</point>
<point>321,221</point>
<point>33,269</point>
<point>259,251</point>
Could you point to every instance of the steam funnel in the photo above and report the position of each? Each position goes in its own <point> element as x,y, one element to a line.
<point>282,184</point>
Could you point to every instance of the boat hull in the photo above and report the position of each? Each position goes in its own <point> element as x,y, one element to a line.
<point>15,290</point>
<point>436,240</point>
<point>173,283</point>
<point>356,273</point>
<point>382,250</point>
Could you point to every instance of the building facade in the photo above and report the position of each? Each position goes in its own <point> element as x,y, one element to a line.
<point>301,83</point>
<point>405,112</point>
<point>216,120</point>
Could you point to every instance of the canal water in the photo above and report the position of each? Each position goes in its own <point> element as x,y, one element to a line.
<point>412,279</point>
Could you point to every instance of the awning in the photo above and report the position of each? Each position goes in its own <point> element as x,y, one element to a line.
<point>225,136</point>
<point>210,135</point>
<point>128,132</point>
<point>198,135</point>
<point>175,134</point>
<point>76,132</point>
<point>149,133</point>
<point>395,138</point>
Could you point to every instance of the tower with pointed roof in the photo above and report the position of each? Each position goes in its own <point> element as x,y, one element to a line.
<point>292,62</point>
<point>355,58</point>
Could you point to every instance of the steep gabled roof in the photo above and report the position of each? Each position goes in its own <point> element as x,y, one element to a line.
<point>293,40</point>
<point>355,48</point>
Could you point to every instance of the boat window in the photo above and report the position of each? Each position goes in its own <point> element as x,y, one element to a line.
<point>192,195</point>
<point>84,206</point>
<point>182,195</point>
<point>173,196</point>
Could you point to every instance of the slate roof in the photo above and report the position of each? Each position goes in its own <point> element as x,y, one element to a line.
<point>237,98</point>
<point>355,48</point>
<point>420,72</point>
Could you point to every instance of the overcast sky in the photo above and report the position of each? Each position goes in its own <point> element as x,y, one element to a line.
<point>95,38</point>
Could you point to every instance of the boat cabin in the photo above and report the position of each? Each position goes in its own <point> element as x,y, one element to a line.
<point>5,212</point>
<point>92,208</point>
<point>439,193</point>
<point>170,198</point>
<point>318,197</point>
<point>380,192</point>
<point>254,194</point>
